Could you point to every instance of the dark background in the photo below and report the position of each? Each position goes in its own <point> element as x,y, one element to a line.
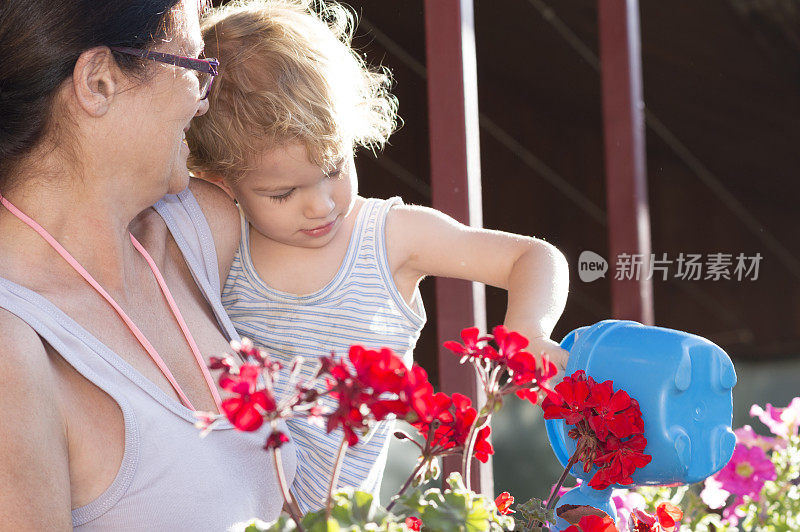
<point>720,84</point>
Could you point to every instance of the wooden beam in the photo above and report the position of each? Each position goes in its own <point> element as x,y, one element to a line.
<point>625,159</point>
<point>456,187</point>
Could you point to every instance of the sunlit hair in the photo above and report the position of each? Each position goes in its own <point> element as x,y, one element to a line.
<point>287,74</point>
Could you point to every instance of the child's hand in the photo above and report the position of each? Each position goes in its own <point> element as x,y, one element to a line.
<point>557,356</point>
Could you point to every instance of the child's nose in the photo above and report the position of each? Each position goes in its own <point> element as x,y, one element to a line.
<point>320,206</point>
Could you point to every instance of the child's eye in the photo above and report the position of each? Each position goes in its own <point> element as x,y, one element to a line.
<point>282,197</point>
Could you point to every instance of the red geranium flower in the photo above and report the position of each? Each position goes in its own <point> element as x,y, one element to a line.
<point>464,417</point>
<point>508,342</point>
<point>665,520</point>
<point>593,523</point>
<point>471,346</point>
<point>360,393</point>
<point>573,392</point>
<point>525,370</point>
<point>608,406</point>
<point>418,395</point>
<point>246,410</point>
<point>436,406</point>
<point>483,448</point>
<point>243,382</point>
<point>381,370</point>
<point>504,502</point>
<point>456,416</point>
<point>608,427</point>
<point>668,516</point>
<point>414,523</point>
<point>628,453</point>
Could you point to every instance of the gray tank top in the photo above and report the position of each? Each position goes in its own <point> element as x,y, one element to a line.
<point>170,478</point>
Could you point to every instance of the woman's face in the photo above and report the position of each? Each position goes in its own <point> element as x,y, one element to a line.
<point>161,108</point>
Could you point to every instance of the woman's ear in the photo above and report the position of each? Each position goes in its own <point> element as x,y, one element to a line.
<point>215,179</point>
<point>95,80</point>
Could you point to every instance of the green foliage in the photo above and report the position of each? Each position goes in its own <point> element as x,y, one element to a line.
<point>455,509</point>
<point>532,514</point>
<point>352,511</point>
<point>779,507</point>
<point>776,510</point>
<point>283,524</point>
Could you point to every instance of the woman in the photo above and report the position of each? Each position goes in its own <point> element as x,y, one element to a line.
<point>99,379</point>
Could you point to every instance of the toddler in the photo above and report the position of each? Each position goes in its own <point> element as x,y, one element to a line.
<point>320,268</point>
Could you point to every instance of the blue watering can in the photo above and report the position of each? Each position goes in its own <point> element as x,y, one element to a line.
<point>683,384</point>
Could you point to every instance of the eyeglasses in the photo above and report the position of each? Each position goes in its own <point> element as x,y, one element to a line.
<point>206,69</point>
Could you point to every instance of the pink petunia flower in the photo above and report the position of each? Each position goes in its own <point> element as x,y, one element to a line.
<point>747,471</point>
<point>783,422</point>
<point>748,437</point>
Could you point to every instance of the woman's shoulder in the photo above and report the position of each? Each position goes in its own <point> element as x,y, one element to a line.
<point>33,431</point>
<point>24,363</point>
<point>22,349</point>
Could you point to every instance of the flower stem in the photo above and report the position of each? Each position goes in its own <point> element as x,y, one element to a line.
<point>551,502</point>
<point>466,458</point>
<point>337,467</point>
<point>425,460</point>
<point>291,504</point>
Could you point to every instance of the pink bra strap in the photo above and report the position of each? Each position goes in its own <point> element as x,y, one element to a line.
<point>132,326</point>
<point>181,323</point>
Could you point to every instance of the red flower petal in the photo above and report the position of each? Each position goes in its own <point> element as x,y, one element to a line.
<point>504,502</point>
<point>668,516</point>
<point>413,523</point>
<point>594,523</point>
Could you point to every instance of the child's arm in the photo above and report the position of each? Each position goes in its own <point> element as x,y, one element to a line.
<point>423,241</point>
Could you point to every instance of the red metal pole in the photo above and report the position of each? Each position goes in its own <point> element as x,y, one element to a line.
<point>626,175</point>
<point>456,186</point>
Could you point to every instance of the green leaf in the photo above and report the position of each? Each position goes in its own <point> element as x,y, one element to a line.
<point>284,523</point>
<point>363,507</point>
<point>322,525</point>
<point>533,511</point>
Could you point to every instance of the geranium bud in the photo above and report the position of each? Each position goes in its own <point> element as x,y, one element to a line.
<point>498,405</point>
<point>224,362</point>
<point>436,468</point>
<point>275,440</point>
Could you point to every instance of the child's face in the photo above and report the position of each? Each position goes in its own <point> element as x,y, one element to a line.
<point>289,200</point>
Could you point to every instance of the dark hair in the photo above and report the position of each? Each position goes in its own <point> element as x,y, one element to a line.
<point>40,42</point>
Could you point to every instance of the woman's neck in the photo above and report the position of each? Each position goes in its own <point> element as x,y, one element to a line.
<point>92,225</point>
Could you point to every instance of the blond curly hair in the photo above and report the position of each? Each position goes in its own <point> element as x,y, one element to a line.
<point>287,74</point>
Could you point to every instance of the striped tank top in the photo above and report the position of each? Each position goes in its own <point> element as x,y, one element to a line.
<point>360,305</point>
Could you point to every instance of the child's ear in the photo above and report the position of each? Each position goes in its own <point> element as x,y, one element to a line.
<point>215,179</point>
